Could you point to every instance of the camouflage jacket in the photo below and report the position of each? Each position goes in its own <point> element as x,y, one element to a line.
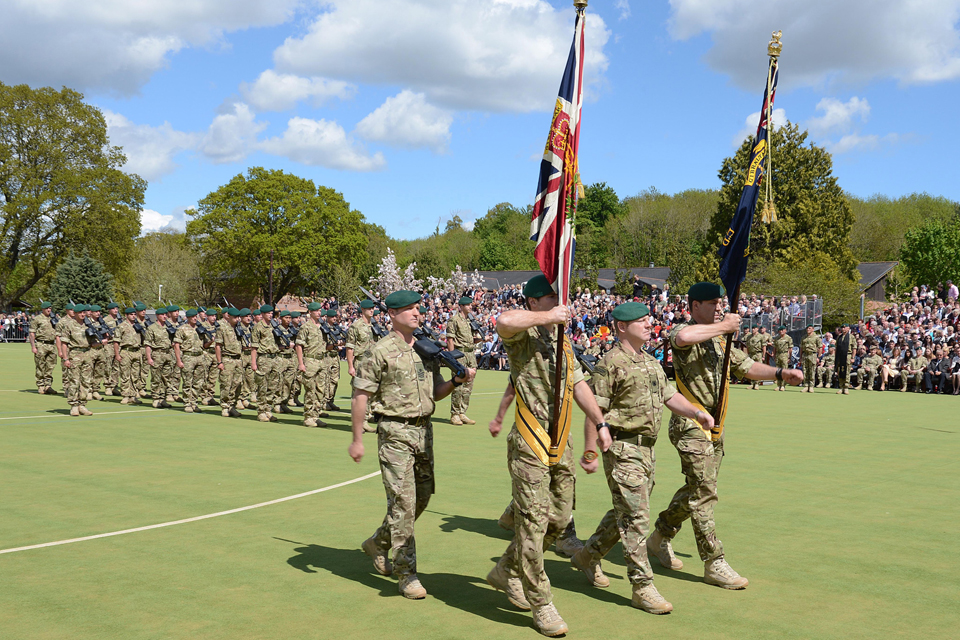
<point>157,337</point>
<point>188,339</point>
<point>360,337</point>
<point>262,338</point>
<point>42,328</point>
<point>400,383</point>
<point>227,338</point>
<point>810,345</point>
<point>126,336</point>
<point>310,339</point>
<point>783,346</point>
<point>533,354</point>
<point>699,366</point>
<point>460,331</point>
<point>631,389</point>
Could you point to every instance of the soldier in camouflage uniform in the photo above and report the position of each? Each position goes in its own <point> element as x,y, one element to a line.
<point>782,348</point>
<point>143,383</point>
<point>265,364</point>
<point>809,350</point>
<point>311,345</point>
<point>698,354</point>
<point>914,370</point>
<point>227,350</point>
<point>248,385</point>
<point>209,321</point>
<point>297,387</point>
<point>287,364</point>
<point>112,320</point>
<point>543,485</point>
<point>43,343</point>
<point>869,368</point>
<point>632,389</point>
<point>126,354</point>
<point>755,344</point>
<point>63,328</point>
<point>461,336</point>
<point>825,370</point>
<point>75,350</point>
<point>360,339</point>
<point>332,364</point>
<point>96,358</point>
<point>157,344</point>
<point>172,325</point>
<point>188,350</point>
<point>405,389</point>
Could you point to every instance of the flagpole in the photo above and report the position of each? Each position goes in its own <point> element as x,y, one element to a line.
<point>773,51</point>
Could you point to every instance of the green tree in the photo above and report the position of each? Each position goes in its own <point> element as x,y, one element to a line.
<point>170,260</point>
<point>61,188</point>
<point>880,223</point>
<point>504,239</point>
<point>931,252</point>
<point>309,229</point>
<point>82,279</point>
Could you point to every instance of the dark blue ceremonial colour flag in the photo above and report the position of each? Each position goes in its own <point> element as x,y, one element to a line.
<point>735,248</point>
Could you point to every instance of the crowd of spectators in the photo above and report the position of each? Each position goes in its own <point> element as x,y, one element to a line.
<point>14,326</point>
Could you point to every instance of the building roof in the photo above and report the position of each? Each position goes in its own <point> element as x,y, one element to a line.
<point>872,272</point>
<point>654,276</point>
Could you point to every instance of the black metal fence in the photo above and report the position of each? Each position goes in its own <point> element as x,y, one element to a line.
<point>14,329</point>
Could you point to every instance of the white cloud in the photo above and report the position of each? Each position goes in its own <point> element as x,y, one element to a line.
<point>232,134</point>
<point>624,7</point>
<point>321,143</point>
<point>823,40</point>
<point>408,120</point>
<point>274,91</point>
<point>150,150</point>
<point>151,220</point>
<point>838,116</point>
<point>116,45</point>
<point>751,123</point>
<point>502,56</point>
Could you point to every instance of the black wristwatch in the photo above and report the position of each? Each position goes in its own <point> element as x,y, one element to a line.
<point>603,425</point>
<point>454,382</point>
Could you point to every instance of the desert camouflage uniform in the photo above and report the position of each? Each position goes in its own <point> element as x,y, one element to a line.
<point>543,496</point>
<point>129,343</point>
<point>210,362</point>
<point>918,364</point>
<point>248,384</point>
<point>231,377</point>
<point>360,338</point>
<point>45,360</point>
<point>809,349</point>
<point>113,367</point>
<point>402,386</point>
<point>74,336</point>
<point>193,372</point>
<point>161,373</point>
<point>460,331</point>
<point>287,368</point>
<point>699,368</point>
<point>631,389</point>
<point>331,364</point>
<point>67,375</point>
<point>97,363</point>
<point>782,347</point>
<point>267,374</point>
<point>311,340</point>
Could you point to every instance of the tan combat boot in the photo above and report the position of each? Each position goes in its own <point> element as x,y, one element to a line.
<point>165,405</point>
<point>500,580</point>
<point>188,409</point>
<point>465,420</point>
<point>647,598</point>
<point>75,411</point>
<point>455,419</point>
<point>225,413</point>
<point>309,422</point>
<point>155,404</point>
<point>369,428</point>
<point>263,417</point>
<point>411,588</point>
<point>548,621</point>
<point>84,411</point>
<point>660,547</point>
<point>506,518</point>
<point>272,417</point>
<point>381,561</point>
<point>583,561</point>
<point>95,396</point>
<point>126,401</point>
<point>718,572</point>
<point>567,547</point>
<point>234,413</point>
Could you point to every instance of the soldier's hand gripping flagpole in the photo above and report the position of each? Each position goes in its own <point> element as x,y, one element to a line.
<point>735,247</point>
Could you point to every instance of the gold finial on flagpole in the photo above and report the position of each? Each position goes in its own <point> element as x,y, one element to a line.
<point>580,4</point>
<point>774,48</point>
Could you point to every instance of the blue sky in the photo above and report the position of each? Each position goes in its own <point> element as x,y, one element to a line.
<point>420,109</point>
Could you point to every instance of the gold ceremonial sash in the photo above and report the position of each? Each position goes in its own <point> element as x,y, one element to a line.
<point>529,427</point>
<point>717,432</point>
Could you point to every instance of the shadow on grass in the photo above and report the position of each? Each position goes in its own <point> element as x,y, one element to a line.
<point>467,593</point>
<point>483,526</point>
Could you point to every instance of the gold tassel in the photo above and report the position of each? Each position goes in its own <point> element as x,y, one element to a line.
<point>769,213</point>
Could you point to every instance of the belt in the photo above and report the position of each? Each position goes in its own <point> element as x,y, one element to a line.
<point>633,438</point>
<point>129,348</point>
<point>45,341</point>
<point>227,355</point>
<point>167,350</point>
<point>419,421</point>
<point>193,353</point>
<point>79,348</point>
<point>267,355</point>
<point>286,354</point>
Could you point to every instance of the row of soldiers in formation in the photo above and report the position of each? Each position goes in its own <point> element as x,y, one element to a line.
<point>623,402</point>
<point>260,361</point>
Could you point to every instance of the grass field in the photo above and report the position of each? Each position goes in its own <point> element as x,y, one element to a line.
<point>842,511</point>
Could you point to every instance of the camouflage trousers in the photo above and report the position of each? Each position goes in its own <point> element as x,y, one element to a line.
<point>248,387</point>
<point>700,463</point>
<point>45,360</point>
<point>917,380</point>
<point>231,379</point>
<point>332,364</point>
<point>193,374</point>
<point>297,385</point>
<point>809,370</point>
<point>129,368</point>
<point>210,381</point>
<point>73,390</point>
<point>543,501</point>
<point>756,357</point>
<point>866,377</point>
<point>161,375</point>
<point>406,465</point>
<point>843,380</point>
<point>314,380</point>
<point>267,376</point>
<point>113,370</point>
<point>98,368</point>
<point>825,376</point>
<point>176,379</point>
<point>287,372</point>
<point>143,384</point>
<point>91,360</point>
<point>630,475</point>
<point>460,398</point>
<point>783,362</point>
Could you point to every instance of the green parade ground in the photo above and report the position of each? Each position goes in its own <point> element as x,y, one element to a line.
<point>842,511</point>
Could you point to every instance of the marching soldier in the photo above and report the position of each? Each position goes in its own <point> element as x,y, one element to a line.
<point>112,320</point>
<point>227,351</point>
<point>288,364</point>
<point>632,389</point>
<point>188,349</point>
<point>461,336</point>
<point>265,364</point>
<point>310,347</point>
<point>825,370</point>
<point>142,324</point>
<point>332,363</point>
<point>296,321</point>
<point>126,354</point>
<point>360,339</point>
<point>809,350</point>
<point>782,347</point>
<point>208,319</point>
<point>698,356</point>
<point>248,390</point>
<point>43,339</point>
<point>755,344</point>
<point>405,389</point>
<point>157,344</point>
<point>74,349</point>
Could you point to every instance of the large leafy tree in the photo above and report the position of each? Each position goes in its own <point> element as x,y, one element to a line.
<point>310,230</point>
<point>504,235</point>
<point>167,259</point>
<point>931,252</point>
<point>61,189</point>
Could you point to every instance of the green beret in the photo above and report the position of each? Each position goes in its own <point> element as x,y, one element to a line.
<point>423,309</point>
<point>160,310</point>
<point>629,311</point>
<point>192,313</point>
<point>376,311</point>
<point>367,304</point>
<point>233,312</point>
<point>294,314</point>
<point>267,308</point>
<point>140,307</point>
<point>80,307</point>
<point>537,287</point>
<point>112,305</point>
<point>331,313</point>
<point>129,310</point>
<point>466,300</point>
<point>284,314</point>
<point>71,307</point>
<point>46,305</point>
<point>94,307</point>
<point>245,312</point>
<point>314,306</point>
<point>172,308</point>
<point>706,291</point>
<point>211,312</point>
<point>401,299</point>
<point>782,328</point>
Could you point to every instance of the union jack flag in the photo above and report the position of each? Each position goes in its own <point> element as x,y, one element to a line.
<point>559,187</point>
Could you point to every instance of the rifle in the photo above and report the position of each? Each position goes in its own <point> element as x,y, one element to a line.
<point>242,334</point>
<point>378,330</point>
<point>431,350</point>
<point>474,325</point>
<point>587,361</point>
<point>54,318</point>
<point>95,330</point>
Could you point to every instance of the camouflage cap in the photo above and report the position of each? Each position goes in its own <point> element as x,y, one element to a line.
<point>46,305</point>
<point>367,304</point>
<point>267,308</point>
<point>192,313</point>
<point>401,299</point>
<point>466,300</point>
<point>537,287</point>
<point>706,291</point>
<point>314,306</point>
<point>629,311</point>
